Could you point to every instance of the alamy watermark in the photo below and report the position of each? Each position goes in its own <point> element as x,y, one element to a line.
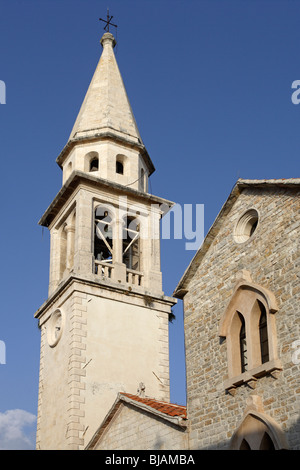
<point>2,92</point>
<point>180,222</point>
<point>2,352</point>
<point>296,353</point>
<point>296,94</point>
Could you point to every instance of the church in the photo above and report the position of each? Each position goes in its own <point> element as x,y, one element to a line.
<point>104,357</point>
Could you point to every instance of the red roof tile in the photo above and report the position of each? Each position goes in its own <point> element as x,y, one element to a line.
<point>169,409</point>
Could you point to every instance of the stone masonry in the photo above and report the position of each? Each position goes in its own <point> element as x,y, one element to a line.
<point>271,255</point>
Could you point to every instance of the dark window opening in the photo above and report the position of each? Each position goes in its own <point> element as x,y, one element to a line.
<point>263,334</point>
<point>244,445</point>
<point>131,244</point>
<point>243,344</point>
<point>119,168</point>
<point>266,443</point>
<point>103,236</point>
<point>94,164</point>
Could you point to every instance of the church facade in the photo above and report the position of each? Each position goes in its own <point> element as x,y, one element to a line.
<point>241,309</point>
<point>104,366</point>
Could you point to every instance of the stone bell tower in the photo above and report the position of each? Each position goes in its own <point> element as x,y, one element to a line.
<point>104,326</point>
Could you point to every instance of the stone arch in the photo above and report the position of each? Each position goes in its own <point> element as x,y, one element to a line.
<point>91,162</point>
<point>250,301</point>
<point>241,287</point>
<point>258,431</point>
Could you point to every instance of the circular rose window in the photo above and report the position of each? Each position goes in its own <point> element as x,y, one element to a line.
<point>246,226</point>
<point>55,328</point>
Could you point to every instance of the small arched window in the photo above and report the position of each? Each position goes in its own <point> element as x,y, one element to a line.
<point>94,164</point>
<point>91,161</point>
<point>119,167</point>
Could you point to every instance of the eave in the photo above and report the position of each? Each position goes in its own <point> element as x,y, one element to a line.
<point>78,177</point>
<point>107,135</point>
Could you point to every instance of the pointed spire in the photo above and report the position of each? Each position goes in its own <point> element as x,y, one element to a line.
<point>106,108</point>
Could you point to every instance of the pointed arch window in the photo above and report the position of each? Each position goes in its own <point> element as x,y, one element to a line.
<point>243,344</point>
<point>266,443</point>
<point>244,445</point>
<point>258,431</point>
<point>263,334</point>
<point>248,325</point>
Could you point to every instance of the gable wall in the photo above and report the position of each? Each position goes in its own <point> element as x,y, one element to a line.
<point>272,258</point>
<point>133,429</point>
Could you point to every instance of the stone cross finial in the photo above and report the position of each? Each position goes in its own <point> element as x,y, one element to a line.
<point>141,390</point>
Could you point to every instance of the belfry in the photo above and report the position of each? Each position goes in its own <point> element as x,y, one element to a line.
<point>104,326</point>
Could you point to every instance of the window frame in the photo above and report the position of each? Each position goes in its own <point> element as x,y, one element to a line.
<point>247,300</point>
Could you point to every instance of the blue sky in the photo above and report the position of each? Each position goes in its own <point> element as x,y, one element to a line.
<point>210,85</point>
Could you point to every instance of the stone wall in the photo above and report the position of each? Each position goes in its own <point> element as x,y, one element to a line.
<point>138,430</point>
<point>271,256</point>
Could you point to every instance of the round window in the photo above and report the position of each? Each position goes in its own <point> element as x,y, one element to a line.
<point>246,226</point>
<point>55,328</point>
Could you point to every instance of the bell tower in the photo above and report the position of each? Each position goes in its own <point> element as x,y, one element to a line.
<point>104,326</point>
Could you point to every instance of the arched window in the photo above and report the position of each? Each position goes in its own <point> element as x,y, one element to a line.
<point>119,167</point>
<point>91,161</point>
<point>244,445</point>
<point>243,344</point>
<point>266,443</point>
<point>258,431</point>
<point>263,334</point>
<point>131,243</point>
<point>103,236</point>
<point>248,325</point>
<point>94,164</point>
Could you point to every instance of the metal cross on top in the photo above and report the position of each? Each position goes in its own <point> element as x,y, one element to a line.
<point>108,21</point>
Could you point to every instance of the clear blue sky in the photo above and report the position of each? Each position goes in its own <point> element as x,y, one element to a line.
<point>210,85</point>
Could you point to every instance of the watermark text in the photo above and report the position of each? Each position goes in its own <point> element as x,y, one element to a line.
<point>2,352</point>
<point>2,92</point>
<point>296,353</point>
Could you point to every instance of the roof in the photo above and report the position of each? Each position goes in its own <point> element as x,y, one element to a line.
<point>241,184</point>
<point>175,414</point>
<point>106,111</point>
<point>106,103</point>
<point>169,409</point>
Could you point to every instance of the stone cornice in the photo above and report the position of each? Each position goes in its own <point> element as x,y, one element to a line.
<point>106,285</point>
<point>106,135</point>
<point>78,177</point>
